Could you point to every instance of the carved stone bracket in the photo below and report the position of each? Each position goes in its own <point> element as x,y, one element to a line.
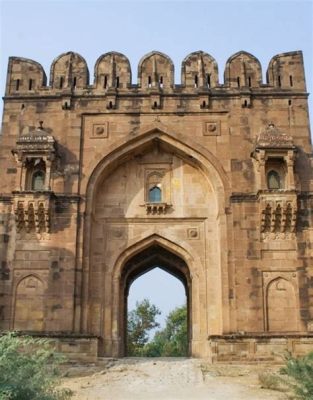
<point>32,214</point>
<point>278,216</point>
<point>157,208</point>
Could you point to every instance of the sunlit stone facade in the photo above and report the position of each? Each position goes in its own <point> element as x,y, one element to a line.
<point>212,181</point>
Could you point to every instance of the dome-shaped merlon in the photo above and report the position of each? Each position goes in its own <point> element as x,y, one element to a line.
<point>243,70</point>
<point>24,76</point>
<point>112,70</point>
<point>69,71</point>
<point>199,69</point>
<point>156,70</point>
<point>286,71</point>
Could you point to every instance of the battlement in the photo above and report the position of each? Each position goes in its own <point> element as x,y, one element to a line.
<point>112,74</point>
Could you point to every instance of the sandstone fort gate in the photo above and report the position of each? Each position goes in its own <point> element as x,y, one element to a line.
<point>102,181</point>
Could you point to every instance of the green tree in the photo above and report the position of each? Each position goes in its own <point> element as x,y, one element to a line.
<point>140,322</point>
<point>29,369</point>
<point>172,341</point>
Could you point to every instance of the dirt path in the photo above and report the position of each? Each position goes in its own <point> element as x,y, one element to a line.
<point>169,379</point>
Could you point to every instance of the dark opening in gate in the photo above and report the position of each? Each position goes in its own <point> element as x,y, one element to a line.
<point>147,260</point>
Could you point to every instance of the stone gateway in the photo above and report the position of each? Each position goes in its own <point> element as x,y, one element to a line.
<point>213,182</point>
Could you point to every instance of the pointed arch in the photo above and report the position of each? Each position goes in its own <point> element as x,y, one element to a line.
<point>182,145</point>
<point>136,246</point>
<point>101,310</point>
<point>29,304</point>
<point>281,306</point>
<point>138,259</point>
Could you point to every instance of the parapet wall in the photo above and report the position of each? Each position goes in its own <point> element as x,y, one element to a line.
<point>199,71</point>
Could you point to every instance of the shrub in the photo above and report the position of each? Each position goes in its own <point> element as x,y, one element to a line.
<point>300,372</point>
<point>29,369</point>
<point>270,381</point>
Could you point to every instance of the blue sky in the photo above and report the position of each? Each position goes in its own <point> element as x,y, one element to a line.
<point>42,30</point>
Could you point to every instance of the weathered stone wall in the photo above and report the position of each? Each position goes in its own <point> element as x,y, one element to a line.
<point>75,205</point>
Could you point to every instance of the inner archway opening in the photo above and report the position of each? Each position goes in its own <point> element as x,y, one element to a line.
<point>157,279</point>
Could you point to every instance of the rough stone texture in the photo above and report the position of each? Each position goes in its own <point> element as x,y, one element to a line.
<point>213,182</point>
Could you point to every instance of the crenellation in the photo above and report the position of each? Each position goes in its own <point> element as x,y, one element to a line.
<point>112,71</point>
<point>25,77</point>
<point>286,71</point>
<point>69,75</point>
<point>199,71</point>
<point>243,70</point>
<point>69,72</point>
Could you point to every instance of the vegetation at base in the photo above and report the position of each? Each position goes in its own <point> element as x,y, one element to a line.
<point>29,369</point>
<point>270,381</point>
<point>295,377</point>
<point>172,341</point>
<point>300,374</point>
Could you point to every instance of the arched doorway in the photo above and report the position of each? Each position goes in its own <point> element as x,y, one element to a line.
<point>143,262</point>
<point>121,221</point>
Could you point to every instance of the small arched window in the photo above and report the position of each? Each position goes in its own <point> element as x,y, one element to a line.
<point>273,180</point>
<point>155,195</point>
<point>38,180</point>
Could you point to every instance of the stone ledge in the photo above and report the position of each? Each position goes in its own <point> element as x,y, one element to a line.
<point>75,347</point>
<point>259,347</point>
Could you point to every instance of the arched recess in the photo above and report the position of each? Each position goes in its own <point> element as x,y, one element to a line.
<point>281,304</point>
<point>99,258</point>
<point>29,304</point>
<point>178,143</point>
<point>139,259</point>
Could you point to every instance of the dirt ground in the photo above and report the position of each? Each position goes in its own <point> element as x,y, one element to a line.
<point>167,379</point>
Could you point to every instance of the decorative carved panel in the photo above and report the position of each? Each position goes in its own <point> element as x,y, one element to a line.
<point>32,215</point>
<point>212,128</point>
<point>278,217</point>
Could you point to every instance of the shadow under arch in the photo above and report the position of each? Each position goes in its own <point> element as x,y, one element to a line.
<point>138,259</point>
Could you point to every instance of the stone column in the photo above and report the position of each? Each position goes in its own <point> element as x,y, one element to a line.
<point>47,175</point>
<point>290,181</point>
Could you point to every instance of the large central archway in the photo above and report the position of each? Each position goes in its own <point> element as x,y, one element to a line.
<point>185,239</point>
<point>143,262</point>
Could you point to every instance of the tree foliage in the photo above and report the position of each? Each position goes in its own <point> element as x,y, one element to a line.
<point>172,341</point>
<point>29,369</point>
<point>140,322</point>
